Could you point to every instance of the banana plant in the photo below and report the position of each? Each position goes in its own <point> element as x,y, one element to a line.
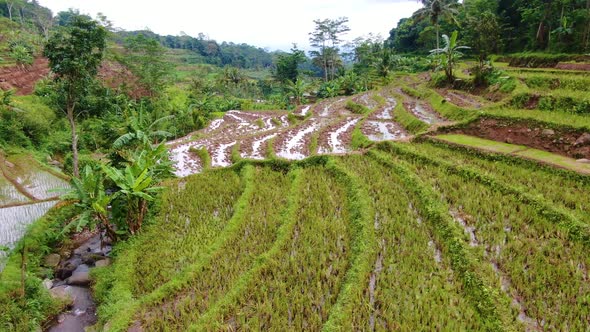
<point>449,54</point>
<point>135,190</point>
<point>89,195</point>
<point>142,131</point>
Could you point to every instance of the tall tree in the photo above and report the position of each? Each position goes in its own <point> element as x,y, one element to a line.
<point>482,28</point>
<point>326,37</point>
<point>145,58</point>
<point>287,65</point>
<point>75,51</point>
<point>435,10</point>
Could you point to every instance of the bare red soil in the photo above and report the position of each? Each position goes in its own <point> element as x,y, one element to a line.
<point>23,79</point>
<point>113,74</point>
<point>573,144</point>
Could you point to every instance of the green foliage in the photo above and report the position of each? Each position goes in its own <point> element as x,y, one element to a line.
<point>287,65</point>
<point>75,52</point>
<point>297,90</point>
<point>449,54</point>
<point>357,108</point>
<point>539,60</point>
<point>326,37</point>
<point>145,57</point>
<point>203,155</point>
<point>28,313</point>
<point>90,197</point>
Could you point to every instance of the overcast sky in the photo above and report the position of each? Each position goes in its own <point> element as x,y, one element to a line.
<point>271,24</point>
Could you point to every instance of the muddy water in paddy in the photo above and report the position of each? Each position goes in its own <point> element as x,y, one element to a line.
<point>337,138</point>
<point>9,194</point>
<point>386,113</point>
<point>294,142</point>
<point>15,220</point>
<point>378,131</point>
<point>328,120</point>
<point>424,112</point>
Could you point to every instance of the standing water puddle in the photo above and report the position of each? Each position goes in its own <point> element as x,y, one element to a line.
<point>383,131</point>
<point>336,145</point>
<point>293,146</point>
<point>425,114</point>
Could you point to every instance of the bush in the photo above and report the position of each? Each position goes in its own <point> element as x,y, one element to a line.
<point>357,108</point>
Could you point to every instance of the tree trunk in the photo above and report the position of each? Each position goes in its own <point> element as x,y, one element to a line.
<point>72,120</point>
<point>587,31</point>
<point>437,36</point>
<point>325,63</point>
<point>9,6</point>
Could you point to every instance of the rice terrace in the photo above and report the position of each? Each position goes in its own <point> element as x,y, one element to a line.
<point>434,180</point>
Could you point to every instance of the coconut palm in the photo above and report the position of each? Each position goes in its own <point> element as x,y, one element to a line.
<point>435,10</point>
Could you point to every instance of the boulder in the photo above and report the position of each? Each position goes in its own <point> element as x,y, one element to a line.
<point>48,283</point>
<point>103,262</point>
<point>583,140</point>
<point>52,260</point>
<point>548,132</point>
<point>584,161</point>
<point>91,258</point>
<point>79,279</point>
<point>61,293</point>
<point>66,270</point>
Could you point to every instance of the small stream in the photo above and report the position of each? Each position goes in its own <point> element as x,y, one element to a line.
<point>72,282</point>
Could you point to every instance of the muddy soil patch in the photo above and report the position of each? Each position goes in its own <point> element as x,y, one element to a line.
<point>21,79</point>
<point>573,66</point>
<point>566,142</point>
<point>460,99</point>
<point>423,111</point>
<point>336,138</point>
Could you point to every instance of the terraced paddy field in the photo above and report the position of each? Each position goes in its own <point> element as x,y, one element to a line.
<point>26,194</point>
<point>404,208</point>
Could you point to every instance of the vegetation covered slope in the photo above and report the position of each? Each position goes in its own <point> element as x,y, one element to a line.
<point>403,237</point>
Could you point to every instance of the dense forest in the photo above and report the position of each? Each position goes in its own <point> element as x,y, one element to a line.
<point>510,25</point>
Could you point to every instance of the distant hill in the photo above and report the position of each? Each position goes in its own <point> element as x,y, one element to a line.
<point>209,51</point>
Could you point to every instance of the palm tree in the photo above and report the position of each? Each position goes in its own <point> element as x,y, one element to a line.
<point>435,10</point>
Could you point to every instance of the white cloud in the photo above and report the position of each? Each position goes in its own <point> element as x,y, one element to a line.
<point>265,23</point>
